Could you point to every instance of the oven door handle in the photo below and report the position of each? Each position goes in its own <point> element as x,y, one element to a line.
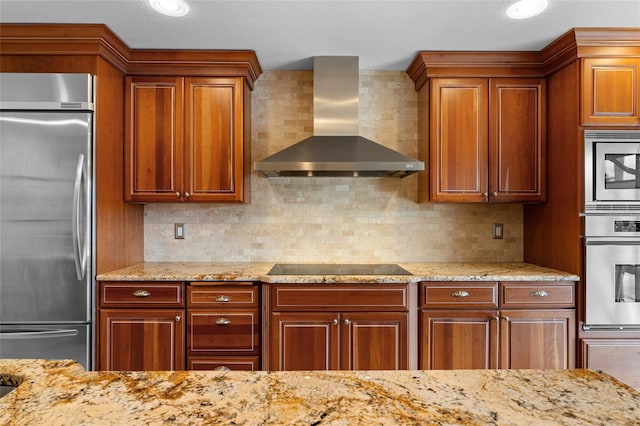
<point>608,241</point>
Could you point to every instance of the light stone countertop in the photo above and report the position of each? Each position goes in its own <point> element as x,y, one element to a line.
<point>63,393</point>
<point>205,271</point>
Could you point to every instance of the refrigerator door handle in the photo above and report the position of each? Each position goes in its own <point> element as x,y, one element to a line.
<point>80,259</point>
<point>37,334</point>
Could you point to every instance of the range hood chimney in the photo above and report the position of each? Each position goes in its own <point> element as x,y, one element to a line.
<point>336,149</point>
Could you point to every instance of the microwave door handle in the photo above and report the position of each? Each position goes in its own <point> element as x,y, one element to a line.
<point>75,220</point>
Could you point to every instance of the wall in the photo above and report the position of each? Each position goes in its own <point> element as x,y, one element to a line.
<point>333,219</point>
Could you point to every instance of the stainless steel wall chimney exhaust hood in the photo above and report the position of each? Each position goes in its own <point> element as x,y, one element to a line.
<point>335,149</point>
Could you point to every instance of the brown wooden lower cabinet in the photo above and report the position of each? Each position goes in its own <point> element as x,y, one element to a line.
<point>617,357</point>
<point>305,341</point>
<point>149,326</point>
<point>537,338</point>
<point>141,326</point>
<point>339,340</point>
<point>342,326</point>
<point>458,340</point>
<point>141,339</point>
<point>374,341</point>
<point>464,336</point>
<point>223,326</point>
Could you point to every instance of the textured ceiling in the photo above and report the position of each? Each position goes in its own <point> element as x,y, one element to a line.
<point>286,34</point>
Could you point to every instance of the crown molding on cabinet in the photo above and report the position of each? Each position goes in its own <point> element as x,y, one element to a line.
<point>214,63</point>
<point>98,39</point>
<point>69,40</point>
<point>473,63</point>
<point>575,43</point>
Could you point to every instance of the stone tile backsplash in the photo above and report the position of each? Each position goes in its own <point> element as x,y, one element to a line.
<point>333,219</point>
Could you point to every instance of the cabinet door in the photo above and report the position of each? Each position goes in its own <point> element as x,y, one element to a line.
<point>617,357</point>
<point>304,341</point>
<point>611,91</point>
<point>151,339</point>
<point>153,139</point>
<point>374,341</point>
<point>537,339</point>
<point>457,339</point>
<point>458,139</point>
<point>214,139</point>
<point>517,140</point>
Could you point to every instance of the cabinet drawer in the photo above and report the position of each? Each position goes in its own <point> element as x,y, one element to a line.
<point>321,297</point>
<point>142,294</point>
<point>459,295</point>
<point>537,294</point>
<point>222,331</point>
<point>222,296</point>
<point>235,363</point>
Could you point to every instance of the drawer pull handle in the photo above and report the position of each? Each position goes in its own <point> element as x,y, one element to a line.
<point>141,293</point>
<point>538,293</point>
<point>223,298</point>
<point>460,293</point>
<point>222,368</point>
<point>223,321</point>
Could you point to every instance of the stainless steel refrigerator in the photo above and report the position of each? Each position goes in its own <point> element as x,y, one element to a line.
<point>46,231</point>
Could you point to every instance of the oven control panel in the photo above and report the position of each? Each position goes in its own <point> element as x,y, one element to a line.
<point>626,226</point>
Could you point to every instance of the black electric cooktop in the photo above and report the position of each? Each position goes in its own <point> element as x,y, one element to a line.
<point>337,269</point>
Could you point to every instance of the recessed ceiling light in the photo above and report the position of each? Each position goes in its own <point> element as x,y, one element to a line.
<point>170,7</point>
<point>526,8</point>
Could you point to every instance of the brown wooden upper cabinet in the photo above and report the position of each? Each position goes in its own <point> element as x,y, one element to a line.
<point>185,139</point>
<point>611,91</point>
<point>487,139</point>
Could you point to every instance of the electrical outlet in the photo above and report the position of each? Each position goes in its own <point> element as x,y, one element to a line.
<point>498,231</point>
<point>178,231</point>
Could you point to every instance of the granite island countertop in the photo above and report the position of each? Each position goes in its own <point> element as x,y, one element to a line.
<point>63,393</point>
<point>212,271</point>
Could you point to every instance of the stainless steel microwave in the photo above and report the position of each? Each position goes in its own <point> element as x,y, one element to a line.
<point>612,170</point>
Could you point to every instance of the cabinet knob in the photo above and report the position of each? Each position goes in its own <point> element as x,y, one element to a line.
<point>186,194</point>
<point>223,298</point>
<point>223,321</point>
<point>335,322</point>
<point>222,368</point>
<point>347,322</point>
<point>141,293</point>
<point>538,293</point>
<point>460,293</point>
<point>495,193</point>
<point>177,194</point>
<point>506,318</point>
<point>485,195</point>
<point>496,318</point>
<point>178,318</point>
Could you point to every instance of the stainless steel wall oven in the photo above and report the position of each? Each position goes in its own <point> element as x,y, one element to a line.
<point>612,271</point>
<point>612,229</point>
